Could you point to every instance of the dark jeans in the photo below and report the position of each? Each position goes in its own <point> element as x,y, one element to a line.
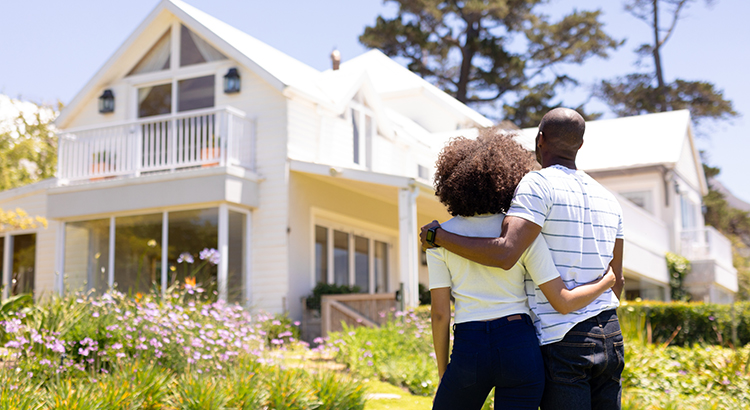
<point>502,353</point>
<point>583,370</point>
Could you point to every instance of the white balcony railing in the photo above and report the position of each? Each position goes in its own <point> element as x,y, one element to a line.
<point>706,243</point>
<point>218,136</point>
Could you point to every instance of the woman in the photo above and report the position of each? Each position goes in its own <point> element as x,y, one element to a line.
<point>495,344</point>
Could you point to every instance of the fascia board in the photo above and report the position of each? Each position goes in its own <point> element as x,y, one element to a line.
<point>353,174</point>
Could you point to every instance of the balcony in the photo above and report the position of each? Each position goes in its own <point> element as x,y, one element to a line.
<point>711,255</point>
<point>202,138</point>
<point>705,244</point>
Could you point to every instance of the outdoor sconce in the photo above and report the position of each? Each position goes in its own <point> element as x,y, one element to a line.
<point>107,102</point>
<point>232,81</point>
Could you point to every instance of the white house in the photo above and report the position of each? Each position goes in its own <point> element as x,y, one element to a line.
<point>194,135</point>
<point>651,163</point>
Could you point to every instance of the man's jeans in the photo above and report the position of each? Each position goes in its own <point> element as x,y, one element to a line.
<point>503,353</point>
<point>583,370</point>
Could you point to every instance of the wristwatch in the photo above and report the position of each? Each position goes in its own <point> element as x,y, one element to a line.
<point>431,235</point>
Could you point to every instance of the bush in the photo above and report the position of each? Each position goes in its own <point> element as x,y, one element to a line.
<point>701,323</point>
<point>313,301</point>
<point>400,352</point>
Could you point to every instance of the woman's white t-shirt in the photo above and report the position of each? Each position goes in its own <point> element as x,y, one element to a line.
<point>482,292</point>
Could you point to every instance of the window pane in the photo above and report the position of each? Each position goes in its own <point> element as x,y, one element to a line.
<point>157,58</point>
<point>87,256</point>
<point>236,278</point>
<point>24,263</point>
<point>195,50</point>
<point>156,100</point>
<point>381,267</point>
<point>340,258</point>
<point>195,93</point>
<point>355,134</point>
<point>321,254</point>
<point>190,233</point>
<point>138,253</point>
<point>361,263</point>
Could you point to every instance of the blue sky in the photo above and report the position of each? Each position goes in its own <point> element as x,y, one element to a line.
<point>50,49</point>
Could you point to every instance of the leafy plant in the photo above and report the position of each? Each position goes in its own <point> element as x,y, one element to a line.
<point>313,301</point>
<point>678,267</point>
<point>337,392</point>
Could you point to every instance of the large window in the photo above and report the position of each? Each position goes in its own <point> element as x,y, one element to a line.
<point>640,198</point>
<point>192,94</point>
<point>356,258</point>
<point>24,264</point>
<point>190,232</point>
<point>136,260</point>
<point>138,253</point>
<point>87,255</point>
<point>193,50</point>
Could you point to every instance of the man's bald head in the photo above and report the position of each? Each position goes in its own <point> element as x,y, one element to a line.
<point>563,130</point>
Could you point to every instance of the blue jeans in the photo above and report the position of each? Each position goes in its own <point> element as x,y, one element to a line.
<point>584,368</point>
<point>503,353</point>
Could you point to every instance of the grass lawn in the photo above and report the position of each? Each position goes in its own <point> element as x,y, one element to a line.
<point>406,400</point>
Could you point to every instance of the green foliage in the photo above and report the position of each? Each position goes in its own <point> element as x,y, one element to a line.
<point>678,267</point>
<point>399,352</point>
<point>313,301</point>
<point>113,352</point>
<point>425,297</point>
<point>698,323</point>
<point>28,146</point>
<point>465,48</point>
<point>338,393</point>
<point>637,94</point>
<point>686,378</point>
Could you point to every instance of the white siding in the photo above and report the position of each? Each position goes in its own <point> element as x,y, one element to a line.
<point>686,166</point>
<point>304,130</point>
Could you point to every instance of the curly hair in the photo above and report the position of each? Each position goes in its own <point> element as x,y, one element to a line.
<point>475,177</point>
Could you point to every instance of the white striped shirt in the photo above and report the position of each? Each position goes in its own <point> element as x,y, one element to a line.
<point>580,221</point>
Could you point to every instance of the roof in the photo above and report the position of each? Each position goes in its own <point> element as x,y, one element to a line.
<point>629,142</point>
<point>281,70</point>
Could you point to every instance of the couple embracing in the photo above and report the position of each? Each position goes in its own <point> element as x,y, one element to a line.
<point>534,313</point>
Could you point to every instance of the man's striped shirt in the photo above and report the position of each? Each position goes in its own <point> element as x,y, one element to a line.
<point>580,221</point>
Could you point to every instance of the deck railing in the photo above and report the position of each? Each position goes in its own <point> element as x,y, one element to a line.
<point>217,136</point>
<point>707,243</point>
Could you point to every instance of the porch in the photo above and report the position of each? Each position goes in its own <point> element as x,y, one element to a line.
<point>713,277</point>
<point>200,138</point>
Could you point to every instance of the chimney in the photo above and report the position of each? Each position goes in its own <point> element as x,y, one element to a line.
<point>335,59</point>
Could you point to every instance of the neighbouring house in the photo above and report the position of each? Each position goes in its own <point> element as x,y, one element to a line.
<point>195,136</point>
<point>652,164</point>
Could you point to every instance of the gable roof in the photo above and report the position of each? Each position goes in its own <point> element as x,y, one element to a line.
<point>275,67</point>
<point>633,142</point>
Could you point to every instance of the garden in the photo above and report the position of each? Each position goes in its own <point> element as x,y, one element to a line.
<point>186,351</point>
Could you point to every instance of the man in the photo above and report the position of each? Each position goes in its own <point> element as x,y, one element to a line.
<point>582,224</point>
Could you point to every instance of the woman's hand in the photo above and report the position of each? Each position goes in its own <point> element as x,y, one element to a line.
<point>609,278</point>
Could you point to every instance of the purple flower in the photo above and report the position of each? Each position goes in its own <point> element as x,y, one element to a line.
<point>212,255</point>
<point>186,257</point>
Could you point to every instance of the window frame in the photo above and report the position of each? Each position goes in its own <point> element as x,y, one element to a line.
<point>352,228</point>
<point>173,75</point>
<point>365,141</point>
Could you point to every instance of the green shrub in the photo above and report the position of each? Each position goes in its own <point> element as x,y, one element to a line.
<point>701,323</point>
<point>678,267</point>
<point>313,300</point>
<point>400,352</point>
<point>337,392</point>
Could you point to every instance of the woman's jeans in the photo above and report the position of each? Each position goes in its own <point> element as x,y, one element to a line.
<point>503,353</point>
<point>584,368</point>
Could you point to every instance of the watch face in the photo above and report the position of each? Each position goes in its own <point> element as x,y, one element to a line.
<point>430,236</point>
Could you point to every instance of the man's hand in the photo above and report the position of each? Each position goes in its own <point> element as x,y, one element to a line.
<point>423,235</point>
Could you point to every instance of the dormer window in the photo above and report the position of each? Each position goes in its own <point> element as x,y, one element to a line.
<point>363,129</point>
